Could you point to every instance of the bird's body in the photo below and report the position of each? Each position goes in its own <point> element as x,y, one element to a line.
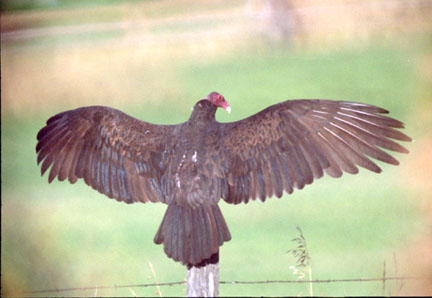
<point>199,228</point>
<point>192,165</point>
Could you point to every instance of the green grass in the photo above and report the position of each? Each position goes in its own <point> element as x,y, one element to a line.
<point>63,235</point>
<point>253,81</point>
<point>23,5</point>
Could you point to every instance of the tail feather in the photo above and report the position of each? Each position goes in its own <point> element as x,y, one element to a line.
<point>191,235</point>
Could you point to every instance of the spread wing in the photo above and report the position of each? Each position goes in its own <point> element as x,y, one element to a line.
<point>118,155</point>
<point>290,144</point>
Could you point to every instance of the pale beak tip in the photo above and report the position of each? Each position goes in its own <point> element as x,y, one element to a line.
<point>228,109</point>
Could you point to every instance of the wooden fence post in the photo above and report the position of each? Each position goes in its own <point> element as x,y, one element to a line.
<point>203,279</point>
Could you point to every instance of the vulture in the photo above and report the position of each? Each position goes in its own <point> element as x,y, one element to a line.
<point>192,165</point>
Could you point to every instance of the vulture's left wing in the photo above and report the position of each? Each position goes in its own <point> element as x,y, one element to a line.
<point>116,154</point>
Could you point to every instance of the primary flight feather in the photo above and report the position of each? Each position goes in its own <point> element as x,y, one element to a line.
<point>190,166</point>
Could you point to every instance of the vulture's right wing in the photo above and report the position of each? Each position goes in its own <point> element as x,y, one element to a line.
<point>291,143</point>
<point>118,155</point>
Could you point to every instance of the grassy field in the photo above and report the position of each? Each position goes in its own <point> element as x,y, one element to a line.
<point>62,235</point>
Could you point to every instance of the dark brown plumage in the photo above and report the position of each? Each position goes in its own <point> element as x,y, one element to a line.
<point>190,166</point>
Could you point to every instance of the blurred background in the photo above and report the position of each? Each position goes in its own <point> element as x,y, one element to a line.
<point>154,59</point>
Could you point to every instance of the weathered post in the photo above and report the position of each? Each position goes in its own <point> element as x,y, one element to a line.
<point>203,279</point>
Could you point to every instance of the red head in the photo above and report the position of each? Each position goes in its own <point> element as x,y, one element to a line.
<point>219,101</point>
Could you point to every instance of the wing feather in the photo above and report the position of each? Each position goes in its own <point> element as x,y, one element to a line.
<point>67,162</point>
<point>278,184</point>
<point>287,173</point>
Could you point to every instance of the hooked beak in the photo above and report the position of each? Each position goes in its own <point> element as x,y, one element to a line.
<point>226,107</point>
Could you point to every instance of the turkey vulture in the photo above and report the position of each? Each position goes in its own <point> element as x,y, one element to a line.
<point>190,166</point>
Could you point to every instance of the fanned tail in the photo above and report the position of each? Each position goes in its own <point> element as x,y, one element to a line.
<point>192,235</point>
